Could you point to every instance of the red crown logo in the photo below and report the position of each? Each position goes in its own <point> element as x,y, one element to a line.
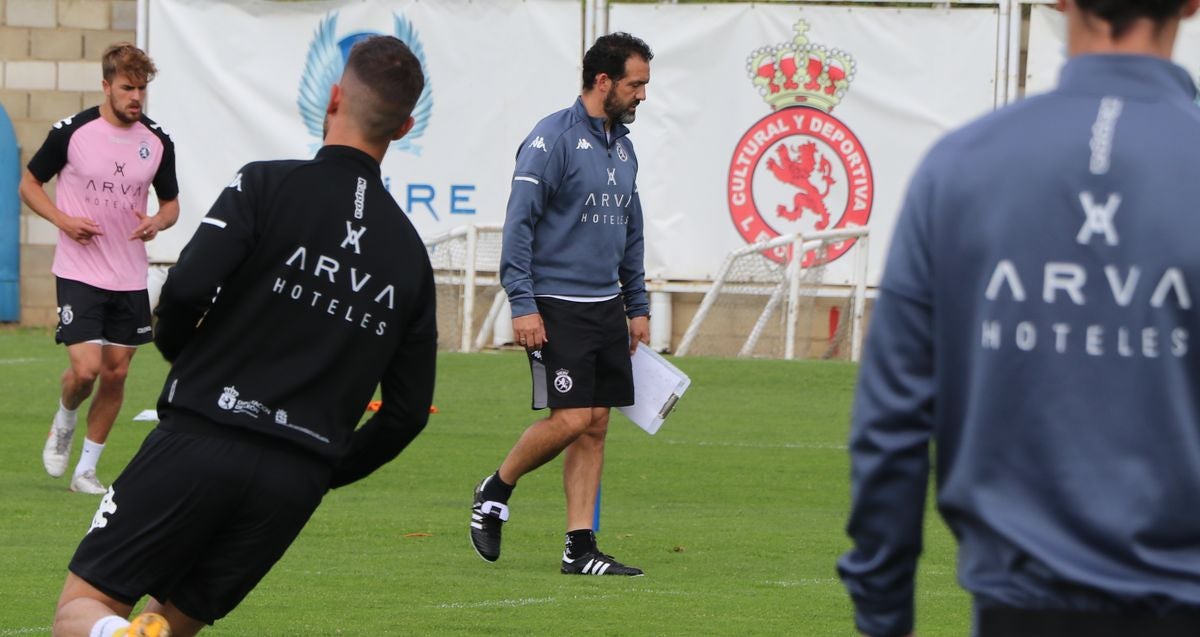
<point>799,73</point>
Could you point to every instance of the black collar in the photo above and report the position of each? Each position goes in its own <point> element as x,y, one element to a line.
<point>349,152</point>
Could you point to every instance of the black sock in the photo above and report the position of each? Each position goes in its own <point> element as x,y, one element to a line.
<point>497,490</point>
<point>580,542</point>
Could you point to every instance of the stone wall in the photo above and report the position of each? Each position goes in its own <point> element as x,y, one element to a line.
<point>50,69</point>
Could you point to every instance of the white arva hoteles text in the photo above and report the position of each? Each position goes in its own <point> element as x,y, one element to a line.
<point>1133,324</point>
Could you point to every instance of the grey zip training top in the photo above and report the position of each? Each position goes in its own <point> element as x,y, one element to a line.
<point>574,220</point>
<point>1035,319</point>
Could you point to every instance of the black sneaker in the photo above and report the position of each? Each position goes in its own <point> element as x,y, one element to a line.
<point>487,516</point>
<point>597,563</point>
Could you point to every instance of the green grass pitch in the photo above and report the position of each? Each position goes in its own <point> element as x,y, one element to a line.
<point>735,509</point>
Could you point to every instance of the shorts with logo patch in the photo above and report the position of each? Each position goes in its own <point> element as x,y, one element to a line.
<point>88,313</point>
<point>199,516</point>
<point>585,362</point>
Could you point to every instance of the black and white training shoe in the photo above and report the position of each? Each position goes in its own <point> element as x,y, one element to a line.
<point>597,563</point>
<point>487,516</point>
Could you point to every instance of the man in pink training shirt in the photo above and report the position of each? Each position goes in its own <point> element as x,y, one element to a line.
<point>106,158</point>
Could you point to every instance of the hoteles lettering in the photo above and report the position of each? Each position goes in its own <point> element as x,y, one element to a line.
<point>605,200</point>
<point>1064,282</point>
<point>608,220</point>
<point>1098,340</point>
<point>330,269</point>
<point>103,188</point>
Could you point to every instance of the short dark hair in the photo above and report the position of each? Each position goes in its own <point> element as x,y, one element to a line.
<point>1121,14</point>
<point>126,59</point>
<point>390,81</point>
<point>608,56</point>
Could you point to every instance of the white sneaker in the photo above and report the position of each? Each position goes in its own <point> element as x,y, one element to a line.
<point>57,451</point>
<point>87,482</point>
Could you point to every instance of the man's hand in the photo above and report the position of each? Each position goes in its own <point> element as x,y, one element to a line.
<point>147,228</point>
<point>639,332</point>
<point>530,332</point>
<point>80,229</point>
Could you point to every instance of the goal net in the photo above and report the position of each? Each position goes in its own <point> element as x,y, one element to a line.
<point>765,303</point>
<point>466,265</point>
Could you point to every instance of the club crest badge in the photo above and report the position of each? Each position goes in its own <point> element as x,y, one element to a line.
<point>66,314</point>
<point>799,169</point>
<point>562,381</point>
<point>228,398</point>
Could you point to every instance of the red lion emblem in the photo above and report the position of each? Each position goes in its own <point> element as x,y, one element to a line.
<point>795,166</point>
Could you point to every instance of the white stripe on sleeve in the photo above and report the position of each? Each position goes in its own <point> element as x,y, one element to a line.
<point>214,222</point>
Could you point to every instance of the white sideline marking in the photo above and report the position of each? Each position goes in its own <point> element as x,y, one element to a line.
<point>23,631</point>
<point>747,445</point>
<point>527,601</point>
<point>662,592</point>
<point>17,361</point>
<point>804,582</point>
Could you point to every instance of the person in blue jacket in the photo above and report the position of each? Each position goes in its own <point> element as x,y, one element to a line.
<point>1034,321</point>
<point>571,264</point>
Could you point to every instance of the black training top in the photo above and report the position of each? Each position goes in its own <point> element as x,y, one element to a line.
<point>304,287</point>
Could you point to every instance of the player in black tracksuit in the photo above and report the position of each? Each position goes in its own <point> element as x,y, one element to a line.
<point>321,296</point>
<point>303,289</point>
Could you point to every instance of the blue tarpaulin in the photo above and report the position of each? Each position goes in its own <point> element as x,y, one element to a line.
<point>10,222</point>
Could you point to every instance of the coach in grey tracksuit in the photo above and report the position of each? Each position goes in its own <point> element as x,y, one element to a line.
<point>572,267</point>
<point>1035,318</point>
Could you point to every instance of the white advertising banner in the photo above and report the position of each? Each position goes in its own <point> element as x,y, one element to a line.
<point>1048,48</point>
<point>766,119</point>
<point>248,80</point>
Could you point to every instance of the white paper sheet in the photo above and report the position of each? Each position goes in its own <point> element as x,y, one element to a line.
<point>657,386</point>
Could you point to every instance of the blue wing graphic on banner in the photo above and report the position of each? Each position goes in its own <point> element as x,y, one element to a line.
<point>421,112</point>
<point>321,71</point>
<point>323,68</point>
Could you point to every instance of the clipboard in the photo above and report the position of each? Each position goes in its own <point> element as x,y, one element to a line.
<point>657,387</point>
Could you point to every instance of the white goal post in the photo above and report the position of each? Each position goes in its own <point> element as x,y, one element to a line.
<point>747,271</point>
<point>466,265</point>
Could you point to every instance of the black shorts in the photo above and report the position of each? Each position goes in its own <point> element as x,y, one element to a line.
<point>199,516</point>
<point>585,362</point>
<point>88,313</point>
<point>1018,622</point>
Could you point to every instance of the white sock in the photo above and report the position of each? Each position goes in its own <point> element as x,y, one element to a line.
<point>89,457</point>
<point>107,626</point>
<point>64,420</point>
